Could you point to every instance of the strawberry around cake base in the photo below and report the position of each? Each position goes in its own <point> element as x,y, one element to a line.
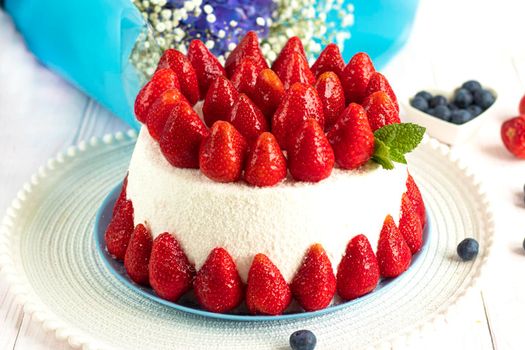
<point>281,221</point>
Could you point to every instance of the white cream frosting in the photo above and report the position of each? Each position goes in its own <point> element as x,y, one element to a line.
<point>281,221</point>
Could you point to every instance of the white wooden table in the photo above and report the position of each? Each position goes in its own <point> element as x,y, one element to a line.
<point>452,41</point>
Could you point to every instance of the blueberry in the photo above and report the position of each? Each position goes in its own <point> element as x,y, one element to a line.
<point>442,112</point>
<point>471,85</point>
<point>424,94</point>
<point>303,340</point>
<point>462,98</point>
<point>484,99</point>
<point>452,107</point>
<point>475,110</point>
<point>430,111</point>
<point>460,116</point>
<point>437,101</point>
<point>468,249</point>
<point>420,103</point>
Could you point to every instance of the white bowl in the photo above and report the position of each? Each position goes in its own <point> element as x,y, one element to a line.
<point>444,131</point>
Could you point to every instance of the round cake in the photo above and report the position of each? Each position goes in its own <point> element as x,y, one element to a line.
<point>252,185</point>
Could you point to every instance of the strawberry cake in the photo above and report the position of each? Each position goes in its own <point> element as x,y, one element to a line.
<point>256,185</point>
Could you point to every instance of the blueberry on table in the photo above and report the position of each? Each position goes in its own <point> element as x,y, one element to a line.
<point>484,98</point>
<point>463,98</point>
<point>420,103</point>
<point>452,107</point>
<point>475,110</point>
<point>468,249</point>
<point>303,340</point>
<point>438,100</point>
<point>442,112</point>
<point>460,116</point>
<point>471,85</point>
<point>424,94</point>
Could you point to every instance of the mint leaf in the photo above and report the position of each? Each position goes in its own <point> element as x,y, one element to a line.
<point>393,141</point>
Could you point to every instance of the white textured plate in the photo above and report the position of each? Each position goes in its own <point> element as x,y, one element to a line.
<point>47,252</point>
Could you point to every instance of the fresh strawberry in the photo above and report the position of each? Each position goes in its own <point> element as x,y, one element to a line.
<point>299,103</point>
<point>222,153</point>
<point>170,272</point>
<point>410,225</point>
<point>247,118</point>
<point>330,60</point>
<point>136,260</point>
<point>332,97</point>
<point>206,65</point>
<point>244,77</point>
<point>267,292</point>
<point>160,110</point>
<point>355,77</point>
<point>295,69</point>
<point>358,271</point>
<point>417,200</point>
<point>380,110</point>
<point>378,82</point>
<point>314,283</point>
<point>119,230</point>
<point>181,65</point>
<point>393,254</point>
<point>122,196</point>
<point>268,92</point>
<point>248,47</point>
<point>310,155</point>
<point>352,138</point>
<point>219,101</point>
<point>265,163</point>
<point>162,80</point>
<point>513,136</point>
<point>294,44</point>
<point>218,286</point>
<point>182,136</point>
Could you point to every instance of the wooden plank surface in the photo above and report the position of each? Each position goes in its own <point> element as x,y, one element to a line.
<point>41,114</point>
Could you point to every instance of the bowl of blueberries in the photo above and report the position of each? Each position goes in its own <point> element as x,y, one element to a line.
<point>452,117</point>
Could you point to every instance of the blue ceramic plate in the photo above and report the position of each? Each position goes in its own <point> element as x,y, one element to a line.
<point>117,269</point>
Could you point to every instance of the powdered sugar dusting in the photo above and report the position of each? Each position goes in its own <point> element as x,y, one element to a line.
<point>281,222</point>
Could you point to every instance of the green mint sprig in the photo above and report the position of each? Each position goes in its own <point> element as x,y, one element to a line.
<point>393,141</point>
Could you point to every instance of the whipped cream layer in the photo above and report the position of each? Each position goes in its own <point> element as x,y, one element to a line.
<point>281,221</point>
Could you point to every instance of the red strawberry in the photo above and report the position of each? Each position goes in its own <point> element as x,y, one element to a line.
<point>380,110</point>
<point>244,77</point>
<point>136,260</point>
<point>300,103</point>
<point>295,69</point>
<point>265,163</point>
<point>222,153</point>
<point>162,80</point>
<point>310,155</point>
<point>358,271</point>
<point>330,60</point>
<point>182,136</point>
<point>294,44</point>
<point>352,138</point>
<point>513,136</point>
<point>218,286</point>
<point>219,101</point>
<point>393,254</point>
<point>268,92</point>
<point>160,110</point>
<point>314,283</point>
<point>248,47</point>
<point>181,65</point>
<point>332,97</point>
<point>410,225</point>
<point>355,77</point>
<point>170,272</point>
<point>267,292</point>
<point>207,66</point>
<point>119,230</point>
<point>122,196</point>
<point>247,118</point>
<point>417,201</point>
<point>378,82</point>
